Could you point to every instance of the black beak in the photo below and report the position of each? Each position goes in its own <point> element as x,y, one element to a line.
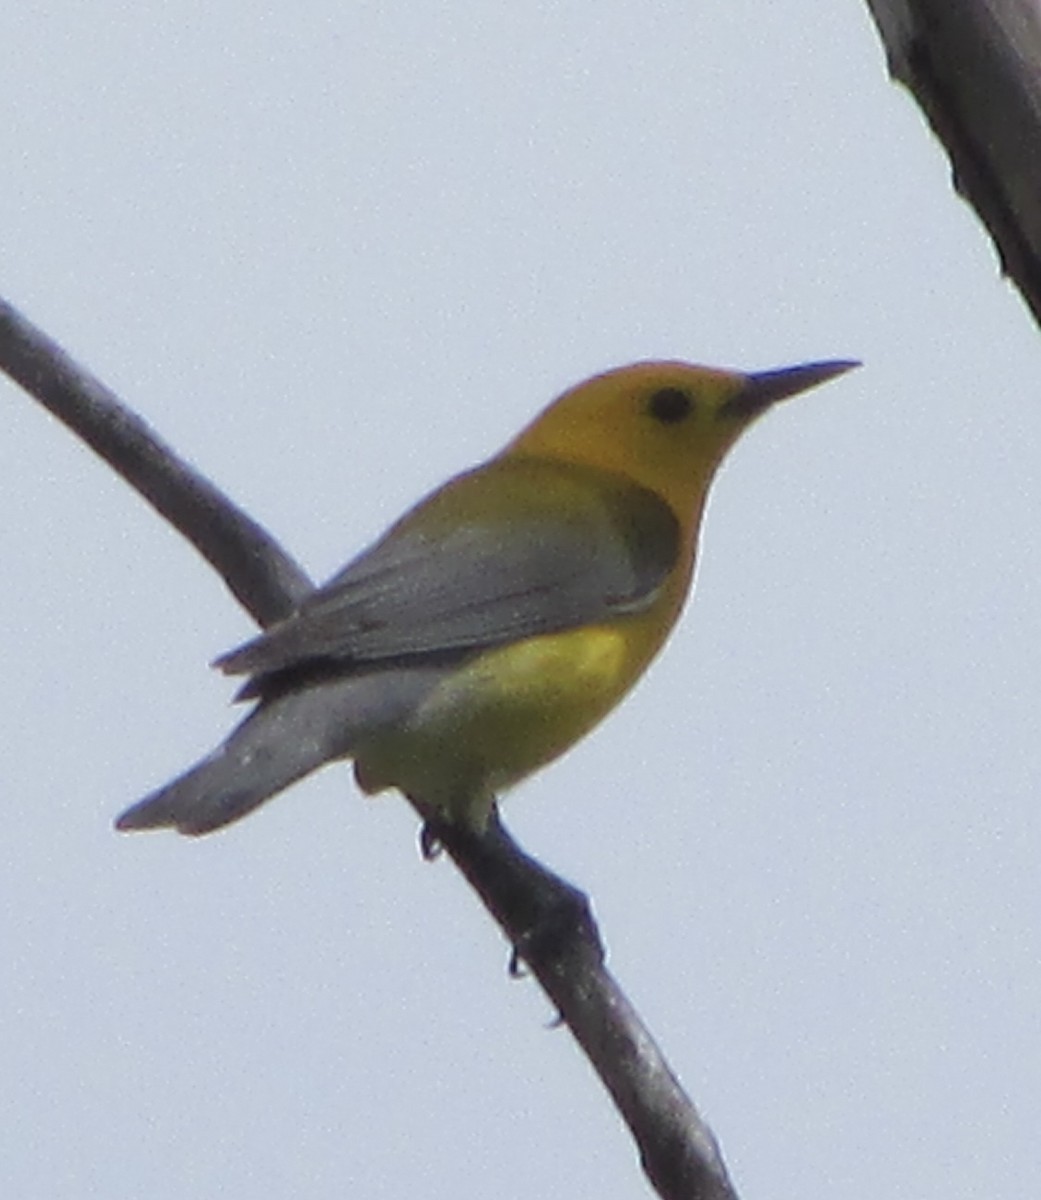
<point>767,387</point>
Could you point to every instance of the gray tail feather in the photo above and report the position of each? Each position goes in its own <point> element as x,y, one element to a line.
<point>281,741</point>
<point>259,759</point>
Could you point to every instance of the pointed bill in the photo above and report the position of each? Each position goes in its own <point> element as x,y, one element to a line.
<point>765,388</point>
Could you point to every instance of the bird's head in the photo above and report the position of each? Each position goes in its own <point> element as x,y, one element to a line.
<point>665,425</point>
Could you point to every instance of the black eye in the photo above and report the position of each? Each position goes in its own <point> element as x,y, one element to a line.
<point>670,405</point>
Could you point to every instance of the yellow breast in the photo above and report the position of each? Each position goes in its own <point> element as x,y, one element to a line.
<point>510,711</point>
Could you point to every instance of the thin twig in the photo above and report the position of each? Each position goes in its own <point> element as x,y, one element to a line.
<point>265,580</point>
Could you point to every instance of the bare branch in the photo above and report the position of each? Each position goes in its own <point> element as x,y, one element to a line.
<point>547,921</point>
<point>260,574</point>
<point>551,926</point>
<point>974,66</point>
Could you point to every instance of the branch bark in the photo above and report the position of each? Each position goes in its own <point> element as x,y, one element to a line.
<point>974,66</point>
<point>547,921</point>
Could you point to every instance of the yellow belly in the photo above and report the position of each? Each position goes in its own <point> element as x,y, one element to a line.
<point>505,714</point>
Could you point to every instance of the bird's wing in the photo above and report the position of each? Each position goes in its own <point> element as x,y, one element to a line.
<point>545,548</point>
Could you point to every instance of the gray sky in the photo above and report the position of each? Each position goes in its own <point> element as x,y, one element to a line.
<point>336,252</point>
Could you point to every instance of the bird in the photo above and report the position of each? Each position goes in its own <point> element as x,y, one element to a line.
<point>501,618</point>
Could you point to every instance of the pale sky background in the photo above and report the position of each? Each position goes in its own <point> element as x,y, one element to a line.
<point>335,252</point>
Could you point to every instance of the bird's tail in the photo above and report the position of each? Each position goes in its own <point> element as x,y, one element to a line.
<point>281,741</point>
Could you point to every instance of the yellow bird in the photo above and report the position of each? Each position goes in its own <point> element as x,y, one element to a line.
<point>499,619</point>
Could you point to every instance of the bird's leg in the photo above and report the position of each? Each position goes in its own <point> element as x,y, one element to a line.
<point>546,917</point>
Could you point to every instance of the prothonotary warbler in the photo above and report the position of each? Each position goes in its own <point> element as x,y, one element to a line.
<point>500,619</point>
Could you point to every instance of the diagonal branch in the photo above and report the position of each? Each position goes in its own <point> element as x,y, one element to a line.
<point>974,66</point>
<point>259,573</point>
<point>547,921</point>
<point>552,929</point>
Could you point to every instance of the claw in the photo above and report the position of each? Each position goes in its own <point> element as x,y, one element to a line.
<point>430,844</point>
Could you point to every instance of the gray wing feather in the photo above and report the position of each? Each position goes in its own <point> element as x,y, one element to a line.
<point>425,590</point>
